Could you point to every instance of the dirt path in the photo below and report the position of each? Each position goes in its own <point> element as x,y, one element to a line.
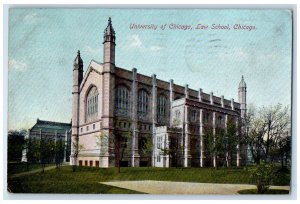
<point>32,171</point>
<point>169,187</point>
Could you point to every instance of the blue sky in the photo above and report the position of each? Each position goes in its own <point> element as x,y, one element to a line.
<point>43,44</point>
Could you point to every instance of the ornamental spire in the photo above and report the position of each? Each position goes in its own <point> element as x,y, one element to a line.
<point>109,32</point>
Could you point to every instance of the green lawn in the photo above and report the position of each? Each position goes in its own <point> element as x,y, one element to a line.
<point>85,179</point>
<point>13,168</point>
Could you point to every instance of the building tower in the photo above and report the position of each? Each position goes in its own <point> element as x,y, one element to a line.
<point>242,101</point>
<point>77,79</point>
<point>242,98</point>
<point>108,86</point>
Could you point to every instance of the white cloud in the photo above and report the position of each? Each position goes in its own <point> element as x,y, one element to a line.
<point>135,41</point>
<point>156,48</point>
<point>17,65</point>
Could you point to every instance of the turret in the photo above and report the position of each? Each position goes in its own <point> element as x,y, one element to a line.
<point>242,97</point>
<point>109,42</point>
<point>77,79</point>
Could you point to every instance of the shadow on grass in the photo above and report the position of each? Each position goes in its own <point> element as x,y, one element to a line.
<point>270,191</point>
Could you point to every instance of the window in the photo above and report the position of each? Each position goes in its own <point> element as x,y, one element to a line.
<point>161,108</point>
<point>87,128</point>
<point>92,104</point>
<point>122,100</point>
<point>97,163</point>
<point>206,118</point>
<point>159,142</point>
<point>177,114</point>
<point>158,158</point>
<point>143,103</point>
<point>91,163</point>
<point>193,115</point>
<point>85,163</point>
<point>81,129</point>
<point>220,119</point>
<point>94,126</point>
<point>80,162</point>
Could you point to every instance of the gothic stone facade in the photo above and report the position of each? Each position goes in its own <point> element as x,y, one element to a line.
<point>110,100</point>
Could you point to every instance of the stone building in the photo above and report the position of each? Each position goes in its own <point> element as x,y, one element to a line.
<point>50,130</point>
<point>110,100</point>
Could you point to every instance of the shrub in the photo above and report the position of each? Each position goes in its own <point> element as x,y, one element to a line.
<point>262,175</point>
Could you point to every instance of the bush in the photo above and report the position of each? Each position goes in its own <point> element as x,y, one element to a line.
<point>262,175</point>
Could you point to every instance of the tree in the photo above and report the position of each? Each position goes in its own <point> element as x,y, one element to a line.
<point>75,152</point>
<point>59,152</point>
<point>116,142</point>
<point>15,143</point>
<point>146,147</point>
<point>264,130</point>
<point>231,141</point>
<point>47,151</point>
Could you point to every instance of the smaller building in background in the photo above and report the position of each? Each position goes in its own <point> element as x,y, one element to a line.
<point>50,130</point>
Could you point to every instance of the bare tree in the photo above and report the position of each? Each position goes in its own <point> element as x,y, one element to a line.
<point>75,152</point>
<point>116,142</point>
<point>264,129</point>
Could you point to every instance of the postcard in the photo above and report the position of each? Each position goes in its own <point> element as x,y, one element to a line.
<point>149,101</point>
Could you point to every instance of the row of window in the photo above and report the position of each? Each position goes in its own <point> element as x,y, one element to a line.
<point>88,163</point>
<point>194,116</point>
<point>123,106</point>
<point>87,128</point>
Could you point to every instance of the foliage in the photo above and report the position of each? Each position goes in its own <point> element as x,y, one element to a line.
<point>214,143</point>
<point>75,152</point>
<point>117,142</point>
<point>262,175</point>
<point>265,128</point>
<point>15,143</point>
<point>146,147</point>
<point>270,191</point>
<point>60,148</point>
<point>231,140</point>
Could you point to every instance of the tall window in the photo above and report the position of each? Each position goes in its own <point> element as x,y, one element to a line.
<point>220,120</point>
<point>143,103</point>
<point>92,104</point>
<point>122,100</point>
<point>206,118</point>
<point>193,116</point>
<point>161,108</point>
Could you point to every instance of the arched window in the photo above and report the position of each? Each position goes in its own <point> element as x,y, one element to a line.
<point>143,103</point>
<point>122,100</point>
<point>161,108</point>
<point>92,104</point>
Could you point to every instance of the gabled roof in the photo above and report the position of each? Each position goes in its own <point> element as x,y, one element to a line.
<point>94,65</point>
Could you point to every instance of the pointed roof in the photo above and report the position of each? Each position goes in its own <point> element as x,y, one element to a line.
<point>109,30</point>
<point>242,83</point>
<point>78,59</point>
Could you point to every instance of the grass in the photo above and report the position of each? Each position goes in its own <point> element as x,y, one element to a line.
<point>270,191</point>
<point>14,168</point>
<point>85,179</point>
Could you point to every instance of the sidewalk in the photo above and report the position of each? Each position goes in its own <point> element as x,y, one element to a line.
<point>170,187</point>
